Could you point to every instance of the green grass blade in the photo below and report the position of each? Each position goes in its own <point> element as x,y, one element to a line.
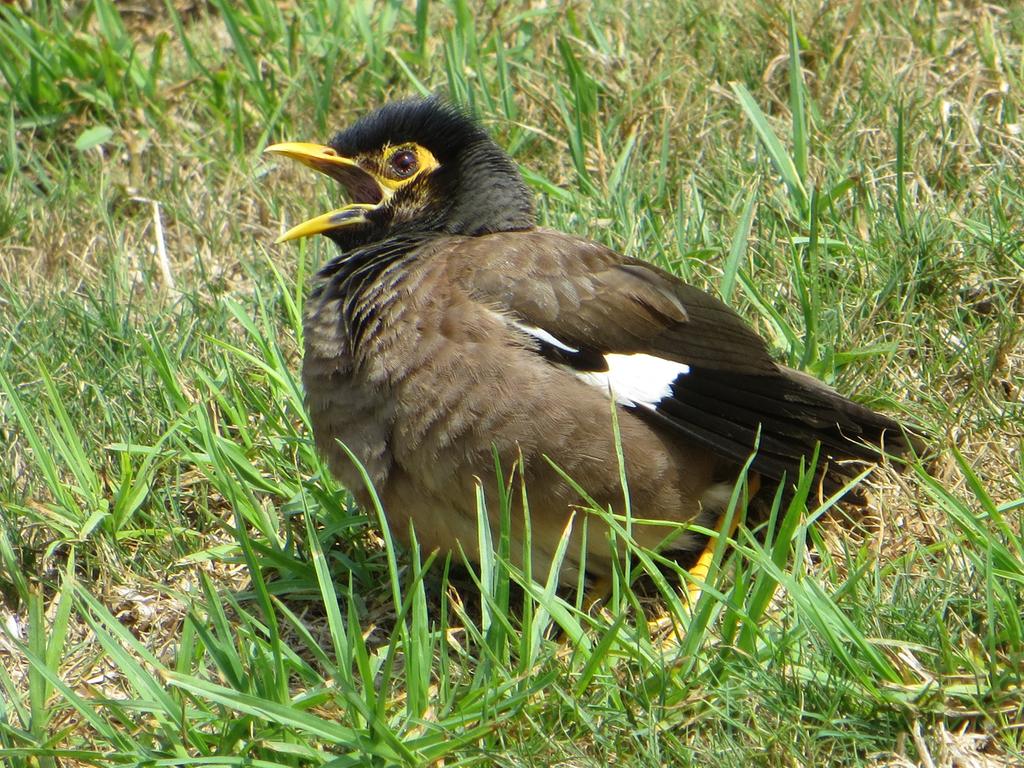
<point>783,163</point>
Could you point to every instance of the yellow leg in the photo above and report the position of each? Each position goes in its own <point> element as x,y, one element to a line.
<point>699,571</point>
<point>597,592</point>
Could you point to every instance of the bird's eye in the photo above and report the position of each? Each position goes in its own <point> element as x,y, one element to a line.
<point>404,163</point>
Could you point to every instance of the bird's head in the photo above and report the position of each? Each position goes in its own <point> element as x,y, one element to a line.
<point>414,166</point>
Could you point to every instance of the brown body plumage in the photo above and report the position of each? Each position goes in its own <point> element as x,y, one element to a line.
<point>450,326</point>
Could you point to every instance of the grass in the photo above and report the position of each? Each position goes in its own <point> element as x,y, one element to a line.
<point>182,582</point>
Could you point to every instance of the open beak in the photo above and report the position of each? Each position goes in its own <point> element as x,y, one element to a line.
<point>367,194</point>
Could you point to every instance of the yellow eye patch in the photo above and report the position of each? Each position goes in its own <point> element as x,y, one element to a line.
<point>403,163</point>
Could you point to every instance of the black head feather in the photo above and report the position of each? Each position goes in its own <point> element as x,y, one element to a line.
<point>477,189</point>
<point>441,127</point>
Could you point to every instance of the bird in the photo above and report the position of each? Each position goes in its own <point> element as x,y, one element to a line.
<point>451,330</point>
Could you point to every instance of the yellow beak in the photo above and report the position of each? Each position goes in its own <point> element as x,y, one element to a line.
<point>362,185</point>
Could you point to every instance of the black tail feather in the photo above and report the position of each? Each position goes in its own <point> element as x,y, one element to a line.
<point>786,415</point>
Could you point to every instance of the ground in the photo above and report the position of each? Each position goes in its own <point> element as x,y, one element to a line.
<point>181,580</point>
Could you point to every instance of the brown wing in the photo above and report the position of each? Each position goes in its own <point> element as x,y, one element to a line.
<point>587,295</point>
<point>586,306</point>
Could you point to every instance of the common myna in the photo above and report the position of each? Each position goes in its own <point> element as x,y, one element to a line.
<point>450,326</point>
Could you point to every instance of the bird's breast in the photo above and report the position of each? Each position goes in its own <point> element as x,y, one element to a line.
<point>384,367</point>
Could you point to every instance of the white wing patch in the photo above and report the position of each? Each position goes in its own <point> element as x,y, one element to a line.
<point>540,333</point>
<point>636,379</point>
